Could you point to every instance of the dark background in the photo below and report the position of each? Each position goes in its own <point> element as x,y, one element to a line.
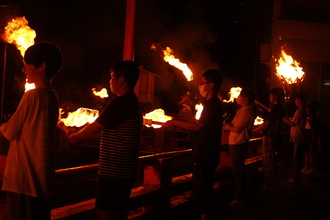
<point>203,34</point>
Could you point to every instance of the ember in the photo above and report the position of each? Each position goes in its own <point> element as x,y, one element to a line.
<point>288,69</point>
<point>103,93</point>
<point>80,117</point>
<point>234,93</point>
<point>18,32</point>
<point>169,57</point>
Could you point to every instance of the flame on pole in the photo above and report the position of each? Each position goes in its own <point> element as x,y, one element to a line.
<point>172,60</point>
<point>288,69</point>
<point>234,93</point>
<point>199,108</point>
<point>18,32</point>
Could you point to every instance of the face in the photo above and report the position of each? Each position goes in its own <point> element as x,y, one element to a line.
<point>32,74</point>
<point>114,83</point>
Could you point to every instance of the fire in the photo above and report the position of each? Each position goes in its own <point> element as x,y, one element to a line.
<point>288,69</point>
<point>199,108</point>
<point>234,93</point>
<point>80,117</point>
<point>170,58</point>
<point>158,115</point>
<point>258,121</point>
<point>18,32</point>
<point>103,93</point>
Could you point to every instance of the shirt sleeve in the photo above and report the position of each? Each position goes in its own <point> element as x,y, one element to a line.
<point>13,128</point>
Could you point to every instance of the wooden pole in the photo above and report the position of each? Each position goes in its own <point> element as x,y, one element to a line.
<point>129,30</point>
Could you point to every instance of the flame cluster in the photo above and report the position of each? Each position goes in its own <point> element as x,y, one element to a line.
<point>80,117</point>
<point>18,32</point>
<point>103,93</point>
<point>288,69</point>
<point>157,115</point>
<point>234,93</point>
<point>172,60</point>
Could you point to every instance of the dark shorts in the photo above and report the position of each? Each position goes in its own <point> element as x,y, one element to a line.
<point>112,194</point>
<point>19,206</point>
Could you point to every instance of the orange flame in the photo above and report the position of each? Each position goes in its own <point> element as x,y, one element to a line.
<point>258,121</point>
<point>199,107</point>
<point>234,93</point>
<point>18,32</point>
<point>103,93</point>
<point>158,115</point>
<point>170,58</point>
<point>288,69</point>
<point>80,117</point>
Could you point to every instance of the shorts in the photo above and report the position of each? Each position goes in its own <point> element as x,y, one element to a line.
<point>113,193</point>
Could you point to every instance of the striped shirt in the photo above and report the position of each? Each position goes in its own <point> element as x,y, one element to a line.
<point>120,140</point>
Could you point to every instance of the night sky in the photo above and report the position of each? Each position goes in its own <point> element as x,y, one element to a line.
<point>203,34</point>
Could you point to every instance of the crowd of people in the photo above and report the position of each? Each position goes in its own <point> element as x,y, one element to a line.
<point>30,169</point>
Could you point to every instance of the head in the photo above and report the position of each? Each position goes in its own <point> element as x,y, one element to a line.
<point>249,94</point>
<point>124,73</point>
<point>301,99</point>
<point>211,81</point>
<point>313,107</point>
<point>44,55</point>
<point>277,94</point>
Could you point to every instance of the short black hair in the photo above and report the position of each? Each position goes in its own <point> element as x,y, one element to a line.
<point>302,96</point>
<point>128,70</point>
<point>48,53</point>
<point>278,92</point>
<point>214,76</point>
<point>249,93</point>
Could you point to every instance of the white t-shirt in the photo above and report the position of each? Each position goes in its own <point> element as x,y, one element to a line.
<point>297,132</point>
<point>244,118</point>
<point>30,165</point>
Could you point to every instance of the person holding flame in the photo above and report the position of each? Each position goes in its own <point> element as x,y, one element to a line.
<point>121,126</point>
<point>30,165</point>
<point>206,146</point>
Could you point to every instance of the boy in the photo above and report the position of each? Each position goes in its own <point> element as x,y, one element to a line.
<point>30,166</point>
<point>206,146</point>
<point>240,132</point>
<point>297,135</point>
<point>121,125</point>
<point>271,137</point>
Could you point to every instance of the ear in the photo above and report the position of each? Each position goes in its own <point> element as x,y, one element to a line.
<point>121,80</point>
<point>42,67</point>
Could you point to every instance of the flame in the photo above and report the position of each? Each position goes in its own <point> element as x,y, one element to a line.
<point>169,57</point>
<point>81,117</point>
<point>199,107</point>
<point>18,32</point>
<point>103,93</point>
<point>234,93</point>
<point>258,121</point>
<point>288,69</point>
<point>158,115</point>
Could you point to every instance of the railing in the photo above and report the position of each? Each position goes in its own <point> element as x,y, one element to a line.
<point>157,194</point>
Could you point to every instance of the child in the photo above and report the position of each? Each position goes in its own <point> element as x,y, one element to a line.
<point>271,137</point>
<point>239,137</point>
<point>30,165</point>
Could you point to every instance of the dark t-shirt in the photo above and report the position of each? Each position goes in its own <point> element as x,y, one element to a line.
<point>206,145</point>
<point>120,140</point>
<point>275,117</point>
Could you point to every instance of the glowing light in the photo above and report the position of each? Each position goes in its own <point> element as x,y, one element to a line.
<point>258,121</point>
<point>103,93</point>
<point>18,32</point>
<point>234,93</point>
<point>170,58</point>
<point>199,108</point>
<point>155,118</point>
<point>288,69</point>
<point>81,117</point>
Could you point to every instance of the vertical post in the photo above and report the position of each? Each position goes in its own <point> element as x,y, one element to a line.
<point>3,82</point>
<point>129,30</point>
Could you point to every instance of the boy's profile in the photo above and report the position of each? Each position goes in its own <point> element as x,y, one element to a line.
<point>30,165</point>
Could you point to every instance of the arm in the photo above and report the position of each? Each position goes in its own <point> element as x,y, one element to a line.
<point>232,128</point>
<point>289,122</point>
<point>89,132</point>
<point>193,126</point>
<point>262,127</point>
